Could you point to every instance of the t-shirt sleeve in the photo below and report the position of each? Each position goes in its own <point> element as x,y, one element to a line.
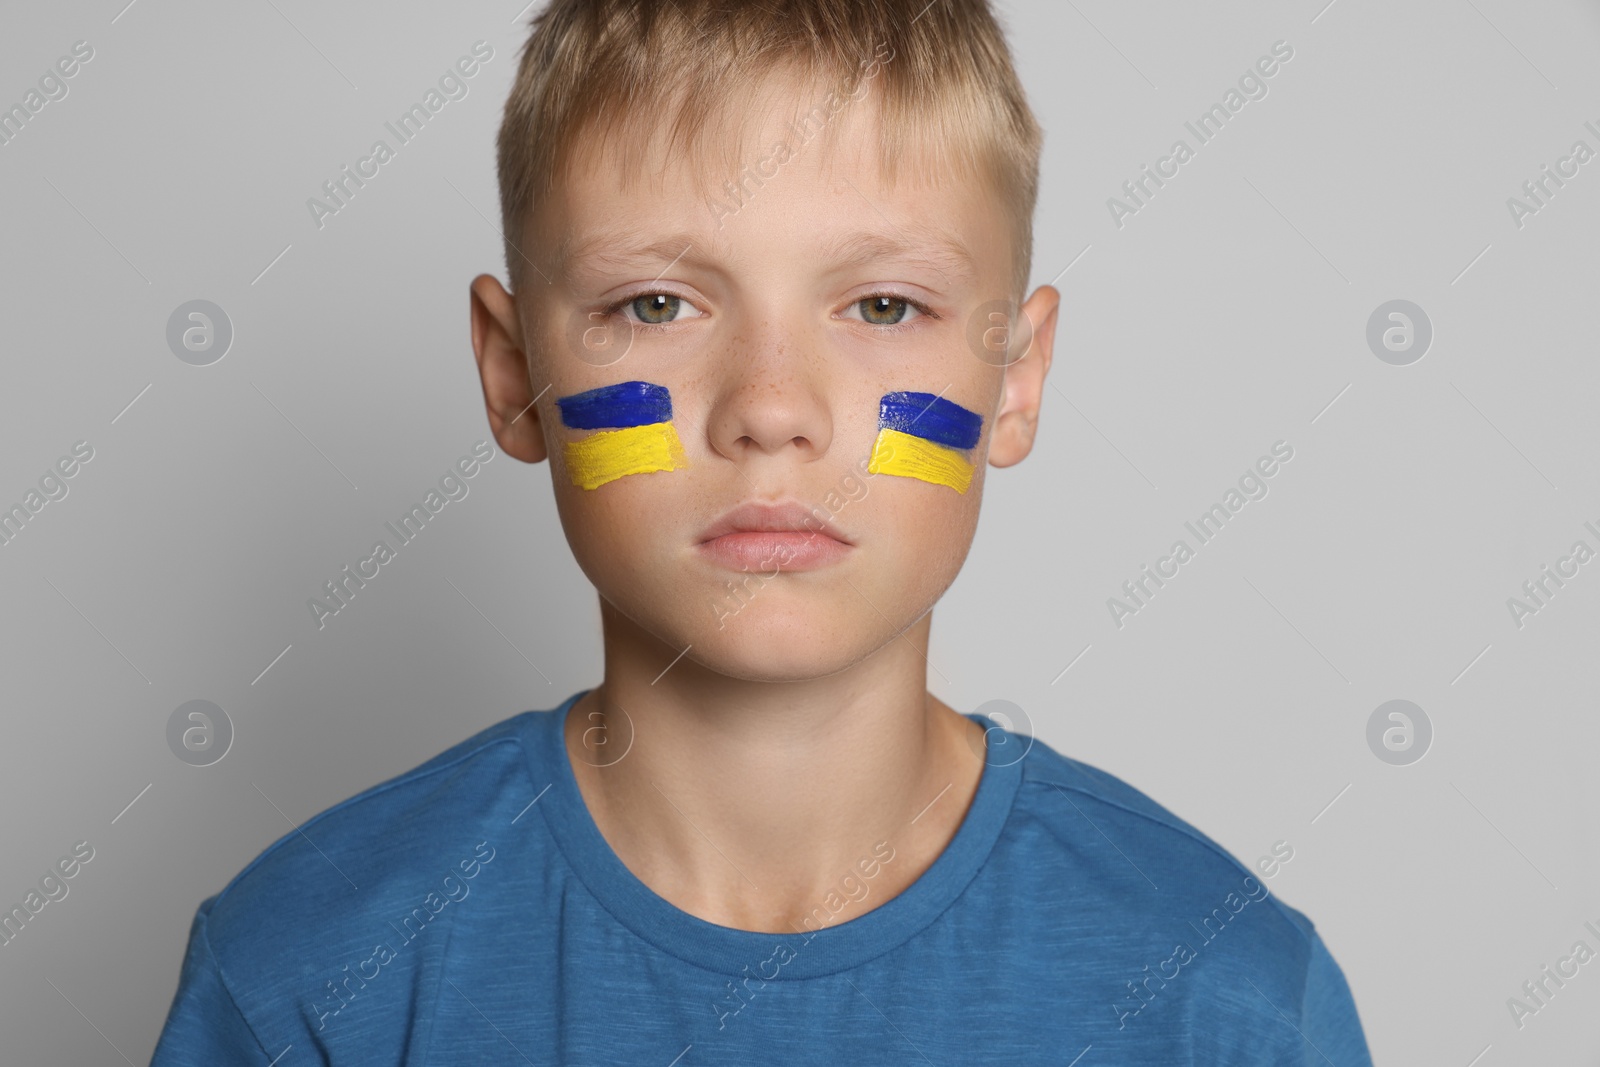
<point>204,1026</point>
<point>1328,1018</point>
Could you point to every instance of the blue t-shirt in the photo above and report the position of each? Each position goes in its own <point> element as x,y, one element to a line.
<point>470,912</point>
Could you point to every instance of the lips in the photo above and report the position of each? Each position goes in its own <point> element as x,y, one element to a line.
<point>766,538</point>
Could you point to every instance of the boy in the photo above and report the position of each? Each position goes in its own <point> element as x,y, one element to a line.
<point>765,261</point>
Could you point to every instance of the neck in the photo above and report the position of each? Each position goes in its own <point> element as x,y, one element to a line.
<point>749,803</point>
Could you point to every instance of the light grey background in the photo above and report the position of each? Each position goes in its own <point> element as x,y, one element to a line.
<point>1229,313</point>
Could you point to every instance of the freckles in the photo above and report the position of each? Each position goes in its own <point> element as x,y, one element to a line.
<point>634,420</point>
<point>924,436</point>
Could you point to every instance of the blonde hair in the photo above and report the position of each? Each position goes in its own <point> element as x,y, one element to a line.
<point>608,70</point>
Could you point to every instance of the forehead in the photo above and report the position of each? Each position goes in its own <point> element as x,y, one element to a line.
<point>780,166</point>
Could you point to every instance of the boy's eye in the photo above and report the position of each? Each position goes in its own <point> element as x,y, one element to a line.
<point>886,309</point>
<point>655,309</point>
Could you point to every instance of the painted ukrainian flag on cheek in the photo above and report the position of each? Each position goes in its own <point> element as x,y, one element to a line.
<point>924,436</point>
<point>636,434</point>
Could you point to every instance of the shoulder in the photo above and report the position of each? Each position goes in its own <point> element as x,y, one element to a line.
<point>1146,881</point>
<point>1098,799</point>
<point>343,879</point>
<point>1076,800</point>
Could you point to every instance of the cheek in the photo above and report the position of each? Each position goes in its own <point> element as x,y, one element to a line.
<point>922,535</point>
<point>900,455</point>
<point>616,551</point>
<point>927,437</point>
<point>617,430</point>
<point>607,455</point>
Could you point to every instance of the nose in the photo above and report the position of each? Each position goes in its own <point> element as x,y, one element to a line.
<point>771,398</point>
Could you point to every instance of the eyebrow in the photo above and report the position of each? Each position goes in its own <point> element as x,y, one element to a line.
<point>915,243</point>
<point>622,248</point>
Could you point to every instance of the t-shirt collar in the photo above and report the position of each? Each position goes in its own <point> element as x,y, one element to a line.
<point>726,950</point>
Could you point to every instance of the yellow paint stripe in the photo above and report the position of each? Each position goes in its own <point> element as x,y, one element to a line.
<point>900,453</point>
<point>611,454</point>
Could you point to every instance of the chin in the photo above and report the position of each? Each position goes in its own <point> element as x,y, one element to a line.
<point>773,646</point>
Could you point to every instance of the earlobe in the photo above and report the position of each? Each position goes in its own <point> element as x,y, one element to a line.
<point>1018,419</point>
<point>508,393</point>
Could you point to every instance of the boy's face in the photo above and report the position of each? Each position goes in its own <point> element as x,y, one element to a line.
<point>777,328</point>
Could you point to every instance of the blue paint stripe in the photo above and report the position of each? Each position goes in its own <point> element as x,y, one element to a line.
<point>930,417</point>
<point>616,406</point>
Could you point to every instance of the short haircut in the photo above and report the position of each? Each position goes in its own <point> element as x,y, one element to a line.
<point>614,73</point>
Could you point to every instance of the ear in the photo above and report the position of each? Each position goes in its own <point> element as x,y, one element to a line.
<point>508,392</point>
<point>1018,418</point>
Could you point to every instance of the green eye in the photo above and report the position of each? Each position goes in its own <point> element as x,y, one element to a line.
<point>656,308</point>
<point>883,310</point>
